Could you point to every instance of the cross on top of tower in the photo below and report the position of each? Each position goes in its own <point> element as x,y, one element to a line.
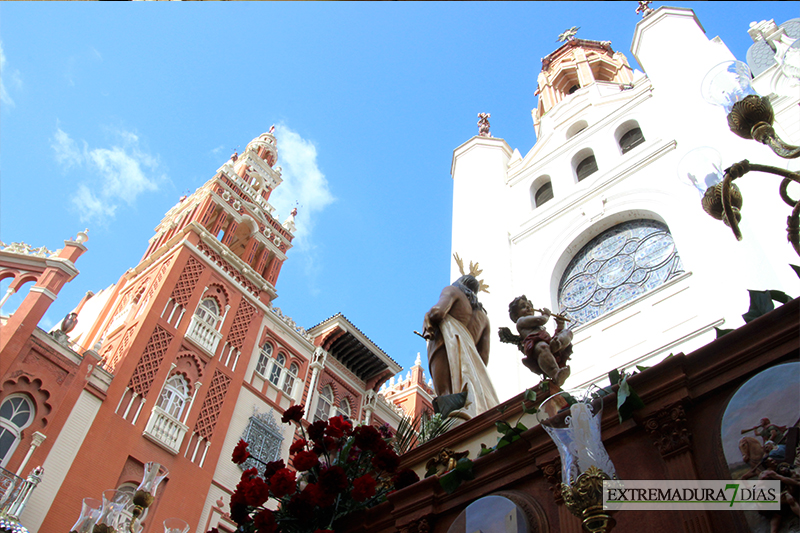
<point>644,8</point>
<point>568,35</point>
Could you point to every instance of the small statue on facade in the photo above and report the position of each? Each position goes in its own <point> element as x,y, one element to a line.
<point>483,124</point>
<point>544,355</point>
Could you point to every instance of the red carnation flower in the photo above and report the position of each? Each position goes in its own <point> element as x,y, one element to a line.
<point>293,414</point>
<point>364,487</point>
<point>317,430</point>
<point>368,439</point>
<point>240,453</point>
<point>386,460</point>
<point>404,478</point>
<point>283,482</point>
<point>265,522</point>
<point>338,427</point>
<point>255,491</point>
<point>305,460</point>
<point>317,496</point>
<point>297,445</point>
<point>273,467</point>
<point>333,480</point>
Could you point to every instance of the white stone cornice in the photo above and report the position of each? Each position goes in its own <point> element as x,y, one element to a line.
<point>47,292</point>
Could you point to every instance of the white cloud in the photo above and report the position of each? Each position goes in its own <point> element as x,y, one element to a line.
<point>66,150</point>
<point>10,78</point>
<point>304,185</point>
<point>117,174</point>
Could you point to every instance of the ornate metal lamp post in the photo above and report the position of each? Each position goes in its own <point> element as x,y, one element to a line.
<point>750,116</point>
<point>572,419</point>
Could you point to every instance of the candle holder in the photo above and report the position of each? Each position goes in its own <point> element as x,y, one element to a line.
<point>154,474</point>
<point>114,504</point>
<point>90,512</point>
<point>572,419</point>
<point>175,525</point>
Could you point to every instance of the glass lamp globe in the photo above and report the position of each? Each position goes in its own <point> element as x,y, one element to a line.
<point>727,83</point>
<point>700,169</point>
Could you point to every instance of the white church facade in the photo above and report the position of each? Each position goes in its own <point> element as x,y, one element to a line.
<point>594,222</point>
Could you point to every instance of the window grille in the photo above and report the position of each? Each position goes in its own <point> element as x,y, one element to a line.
<point>264,439</point>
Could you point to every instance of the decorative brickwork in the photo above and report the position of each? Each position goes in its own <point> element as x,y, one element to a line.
<point>112,362</point>
<point>160,276</point>
<point>212,405</point>
<point>151,360</point>
<point>240,324</point>
<point>228,268</point>
<point>187,281</point>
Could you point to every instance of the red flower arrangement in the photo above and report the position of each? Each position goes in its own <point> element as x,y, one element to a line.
<point>337,469</point>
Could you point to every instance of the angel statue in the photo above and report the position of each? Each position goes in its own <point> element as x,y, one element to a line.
<point>544,355</point>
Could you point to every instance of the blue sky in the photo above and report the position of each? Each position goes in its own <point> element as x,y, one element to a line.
<point>111,111</point>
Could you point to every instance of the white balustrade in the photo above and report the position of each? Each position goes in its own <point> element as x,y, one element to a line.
<point>203,334</point>
<point>165,430</point>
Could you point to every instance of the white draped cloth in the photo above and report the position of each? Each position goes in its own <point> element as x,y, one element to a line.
<point>467,371</point>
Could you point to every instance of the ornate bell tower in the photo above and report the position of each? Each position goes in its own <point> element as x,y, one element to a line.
<point>176,335</point>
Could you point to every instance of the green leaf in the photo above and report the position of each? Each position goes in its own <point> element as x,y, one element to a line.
<point>641,368</point>
<point>530,395</point>
<point>627,401</point>
<point>614,376</point>
<point>464,468</point>
<point>760,304</point>
<point>796,269</point>
<point>502,426</point>
<point>485,450</point>
<point>450,482</point>
<point>531,410</point>
<point>780,296</point>
<point>430,472</point>
<point>721,332</point>
<point>520,427</point>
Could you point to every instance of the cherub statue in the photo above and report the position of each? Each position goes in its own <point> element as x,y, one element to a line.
<point>544,355</point>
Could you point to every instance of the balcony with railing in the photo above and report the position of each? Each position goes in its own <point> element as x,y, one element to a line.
<point>165,430</point>
<point>203,334</point>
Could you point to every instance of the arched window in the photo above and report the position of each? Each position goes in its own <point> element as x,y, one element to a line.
<point>208,312</point>
<point>264,359</point>
<point>630,140</point>
<point>16,413</point>
<point>629,136</point>
<point>174,396</point>
<point>543,194</point>
<point>277,369</point>
<point>291,375</point>
<point>344,408</point>
<point>324,404</point>
<point>586,167</point>
<point>615,267</point>
<point>576,128</point>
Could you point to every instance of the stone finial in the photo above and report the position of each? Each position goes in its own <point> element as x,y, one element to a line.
<point>568,35</point>
<point>483,124</point>
<point>644,8</point>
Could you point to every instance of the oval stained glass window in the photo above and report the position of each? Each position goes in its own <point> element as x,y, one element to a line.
<point>618,265</point>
